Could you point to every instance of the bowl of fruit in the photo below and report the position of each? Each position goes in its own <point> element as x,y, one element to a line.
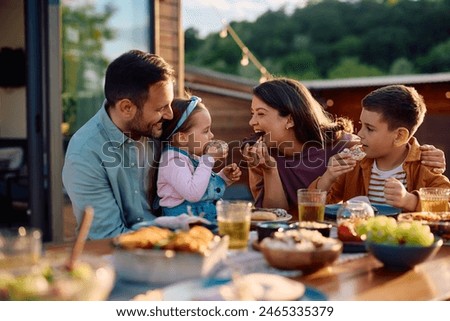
<point>398,245</point>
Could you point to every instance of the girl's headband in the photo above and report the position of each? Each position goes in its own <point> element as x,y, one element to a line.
<point>192,104</point>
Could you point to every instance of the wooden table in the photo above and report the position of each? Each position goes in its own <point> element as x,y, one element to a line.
<point>361,279</point>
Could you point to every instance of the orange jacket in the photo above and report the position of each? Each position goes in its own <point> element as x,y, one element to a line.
<point>356,182</point>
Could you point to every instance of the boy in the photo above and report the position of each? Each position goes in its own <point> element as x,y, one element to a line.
<point>391,172</point>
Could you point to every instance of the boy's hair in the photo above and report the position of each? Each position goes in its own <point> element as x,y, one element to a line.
<point>399,106</point>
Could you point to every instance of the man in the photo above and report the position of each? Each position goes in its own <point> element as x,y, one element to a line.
<point>108,159</point>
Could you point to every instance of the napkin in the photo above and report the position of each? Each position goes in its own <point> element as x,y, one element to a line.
<point>180,222</point>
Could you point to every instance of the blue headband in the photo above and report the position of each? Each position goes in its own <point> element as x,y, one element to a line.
<point>193,103</point>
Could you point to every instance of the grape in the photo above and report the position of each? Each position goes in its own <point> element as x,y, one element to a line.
<point>383,229</point>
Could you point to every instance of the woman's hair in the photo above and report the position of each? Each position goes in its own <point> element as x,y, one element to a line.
<point>131,74</point>
<point>180,107</point>
<point>312,124</point>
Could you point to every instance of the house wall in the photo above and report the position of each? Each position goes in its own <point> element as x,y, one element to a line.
<point>169,37</point>
<point>13,122</point>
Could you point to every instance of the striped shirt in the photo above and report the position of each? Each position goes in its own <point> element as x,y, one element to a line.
<point>378,179</point>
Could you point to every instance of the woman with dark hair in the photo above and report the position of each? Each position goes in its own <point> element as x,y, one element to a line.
<point>296,139</point>
<point>186,182</point>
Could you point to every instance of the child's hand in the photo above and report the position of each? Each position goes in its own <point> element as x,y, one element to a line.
<point>232,172</point>
<point>218,149</point>
<point>397,195</point>
<point>338,165</point>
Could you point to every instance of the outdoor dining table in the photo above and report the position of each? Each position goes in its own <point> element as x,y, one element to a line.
<point>359,278</point>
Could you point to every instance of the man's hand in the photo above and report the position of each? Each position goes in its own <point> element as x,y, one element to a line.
<point>433,157</point>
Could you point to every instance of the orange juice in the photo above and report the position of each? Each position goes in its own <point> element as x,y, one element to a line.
<point>434,205</point>
<point>238,231</point>
<point>311,212</point>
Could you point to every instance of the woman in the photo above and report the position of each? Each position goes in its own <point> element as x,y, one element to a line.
<point>299,138</point>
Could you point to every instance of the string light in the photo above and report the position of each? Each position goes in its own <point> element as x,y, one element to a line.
<point>223,33</point>
<point>244,60</point>
<point>247,55</point>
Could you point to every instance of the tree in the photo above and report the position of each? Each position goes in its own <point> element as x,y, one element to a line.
<point>84,31</point>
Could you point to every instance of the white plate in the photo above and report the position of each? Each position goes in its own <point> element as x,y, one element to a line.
<point>263,286</point>
<point>282,215</point>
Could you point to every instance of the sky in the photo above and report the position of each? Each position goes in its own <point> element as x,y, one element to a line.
<point>206,15</point>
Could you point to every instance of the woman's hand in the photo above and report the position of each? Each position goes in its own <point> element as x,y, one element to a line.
<point>433,157</point>
<point>258,156</point>
<point>232,172</point>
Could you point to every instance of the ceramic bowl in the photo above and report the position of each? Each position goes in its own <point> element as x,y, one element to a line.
<point>266,229</point>
<point>163,267</point>
<point>397,256</point>
<point>306,255</point>
<point>323,228</point>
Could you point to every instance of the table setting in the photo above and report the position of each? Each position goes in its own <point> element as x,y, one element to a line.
<point>185,259</point>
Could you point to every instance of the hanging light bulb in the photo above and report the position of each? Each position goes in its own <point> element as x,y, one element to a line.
<point>262,79</point>
<point>223,33</point>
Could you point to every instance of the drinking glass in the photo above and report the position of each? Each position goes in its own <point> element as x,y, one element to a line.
<point>20,247</point>
<point>233,218</point>
<point>311,204</point>
<point>434,199</point>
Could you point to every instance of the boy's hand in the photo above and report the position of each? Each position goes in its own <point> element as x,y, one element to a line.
<point>232,172</point>
<point>397,195</point>
<point>338,165</point>
<point>433,157</point>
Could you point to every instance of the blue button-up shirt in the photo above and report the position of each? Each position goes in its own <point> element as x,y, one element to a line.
<point>107,170</point>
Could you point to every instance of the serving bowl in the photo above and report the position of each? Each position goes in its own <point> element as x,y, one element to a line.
<point>323,228</point>
<point>312,253</point>
<point>400,256</point>
<point>91,279</point>
<point>266,229</point>
<point>163,267</point>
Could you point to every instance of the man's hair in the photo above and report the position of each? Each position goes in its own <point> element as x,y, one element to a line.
<point>399,106</point>
<point>130,75</point>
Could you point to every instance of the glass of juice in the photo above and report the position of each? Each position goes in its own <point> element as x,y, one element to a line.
<point>311,204</point>
<point>233,218</point>
<point>434,199</point>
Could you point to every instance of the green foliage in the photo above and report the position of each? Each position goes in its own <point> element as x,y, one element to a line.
<point>334,39</point>
<point>84,32</point>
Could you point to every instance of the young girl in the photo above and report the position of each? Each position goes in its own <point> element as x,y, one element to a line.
<point>185,175</point>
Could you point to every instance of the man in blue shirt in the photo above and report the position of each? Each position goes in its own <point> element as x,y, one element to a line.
<point>108,159</point>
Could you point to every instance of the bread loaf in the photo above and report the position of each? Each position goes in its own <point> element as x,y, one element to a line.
<point>263,216</point>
